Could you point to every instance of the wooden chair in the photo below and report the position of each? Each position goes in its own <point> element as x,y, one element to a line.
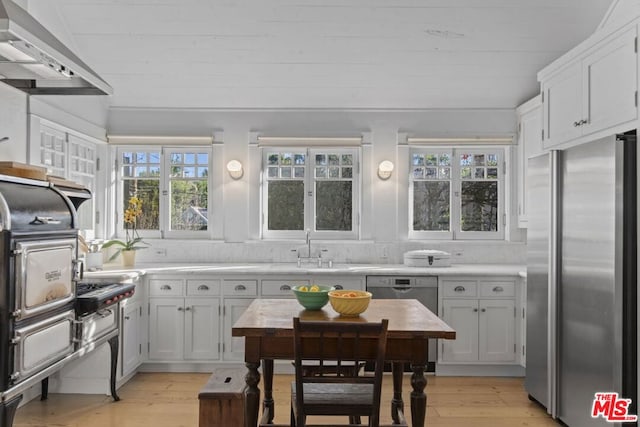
<point>337,391</point>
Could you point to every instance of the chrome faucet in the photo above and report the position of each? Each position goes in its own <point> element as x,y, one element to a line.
<point>308,239</point>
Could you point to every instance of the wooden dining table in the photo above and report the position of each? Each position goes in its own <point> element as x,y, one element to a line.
<point>267,327</point>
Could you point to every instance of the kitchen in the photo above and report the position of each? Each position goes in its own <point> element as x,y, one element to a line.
<point>378,119</point>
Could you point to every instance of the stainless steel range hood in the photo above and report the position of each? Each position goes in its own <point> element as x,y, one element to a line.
<point>35,61</point>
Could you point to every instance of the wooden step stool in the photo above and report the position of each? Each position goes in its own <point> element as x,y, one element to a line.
<point>222,399</point>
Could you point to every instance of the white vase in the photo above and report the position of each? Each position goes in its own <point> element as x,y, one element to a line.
<point>128,258</point>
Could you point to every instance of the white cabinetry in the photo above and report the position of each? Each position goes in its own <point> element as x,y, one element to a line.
<point>280,288</point>
<point>340,282</point>
<point>529,144</point>
<point>131,337</point>
<point>483,314</point>
<point>237,296</point>
<point>594,91</point>
<point>184,319</point>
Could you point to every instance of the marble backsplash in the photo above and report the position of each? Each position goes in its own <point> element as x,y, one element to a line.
<point>360,252</point>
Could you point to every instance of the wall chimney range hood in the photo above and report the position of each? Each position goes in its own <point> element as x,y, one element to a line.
<point>35,61</point>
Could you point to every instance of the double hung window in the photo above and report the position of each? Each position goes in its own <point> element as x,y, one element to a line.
<point>456,193</point>
<point>313,189</point>
<point>173,185</point>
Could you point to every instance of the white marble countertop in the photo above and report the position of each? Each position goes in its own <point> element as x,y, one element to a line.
<point>274,269</point>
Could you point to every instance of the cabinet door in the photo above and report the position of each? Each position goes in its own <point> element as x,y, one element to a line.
<point>497,331</point>
<point>131,338</point>
<point>355,283</point>
<point>202,328</point>
<point>461,315</point>
<point>232,310</point>
<point>562,106</point>
<point>610,80</point>
<point>529,144</point>
<point>166,328</point>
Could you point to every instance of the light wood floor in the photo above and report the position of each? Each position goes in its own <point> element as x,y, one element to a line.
<point>171,400</point>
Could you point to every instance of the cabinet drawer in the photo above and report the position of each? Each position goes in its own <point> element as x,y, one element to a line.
<point>460,288</point>
<point>281,288</point>
<point>240,287</point>
<point>203,287</point>
<point>497,289</point>
<point>166,287</point>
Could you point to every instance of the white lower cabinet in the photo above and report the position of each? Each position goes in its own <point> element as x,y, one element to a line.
<point>462,316</point>
<point>233,347</point>
<point>483,314</point>
<point>131,337</point>
<point>183,320</point>
<point>237,296</point>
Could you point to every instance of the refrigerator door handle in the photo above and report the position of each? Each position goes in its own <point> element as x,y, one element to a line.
<point>553,294</point>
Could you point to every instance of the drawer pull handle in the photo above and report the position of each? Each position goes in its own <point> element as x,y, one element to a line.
<point>285,288</point>
<point>127,317</point>
<point>475,310</point>
<point>240,288</point>
<point>498,289</point>
<point>180,309</point>
<point>459,289</point>
<point>165,288</point>
<point>203,288</point>
<point>483,310</point>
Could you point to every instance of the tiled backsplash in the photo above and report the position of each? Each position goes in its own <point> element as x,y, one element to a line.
<point>361,252</point>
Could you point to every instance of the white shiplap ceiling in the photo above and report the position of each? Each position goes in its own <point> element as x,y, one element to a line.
<point>386,54</point>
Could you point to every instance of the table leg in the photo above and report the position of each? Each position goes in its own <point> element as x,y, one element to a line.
<point>397,405</point>
<point>268,409</point>
<point>253,394</point>
<point>418,398</point>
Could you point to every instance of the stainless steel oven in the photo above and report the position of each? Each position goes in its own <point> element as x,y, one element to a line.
<point>40,344</point>
<point>44,274</point>
<point>94,326</point>
<point>44,323</point>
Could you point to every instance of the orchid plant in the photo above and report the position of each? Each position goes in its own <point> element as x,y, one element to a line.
<point>133,241</point>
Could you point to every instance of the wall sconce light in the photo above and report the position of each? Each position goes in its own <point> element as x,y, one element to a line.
<point>234,167</point>
<point>384,169</point>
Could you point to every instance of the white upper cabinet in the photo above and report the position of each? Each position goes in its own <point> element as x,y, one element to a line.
<point>610,83</point>
<point>594,91</point>
<point>529,144</point>
<point>562,100</point>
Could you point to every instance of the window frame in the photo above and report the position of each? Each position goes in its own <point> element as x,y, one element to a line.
<point>165,191</point>
<point>455,209</point>
<point>310,194</point>
<point>164,180</point>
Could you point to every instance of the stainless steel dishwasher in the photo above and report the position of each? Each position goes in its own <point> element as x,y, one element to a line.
<point>422,288</point>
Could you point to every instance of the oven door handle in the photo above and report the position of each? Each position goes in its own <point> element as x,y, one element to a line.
<point>104,313</point>
<point>402,288</point>
<point>44,220</point>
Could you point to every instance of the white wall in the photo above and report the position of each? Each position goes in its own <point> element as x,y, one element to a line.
<point>382,219</point>
<point>13,124</point>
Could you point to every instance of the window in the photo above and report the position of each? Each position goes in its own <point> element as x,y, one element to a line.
<point>173,184</point>
<point>456,193</point>
<point>310,189</point>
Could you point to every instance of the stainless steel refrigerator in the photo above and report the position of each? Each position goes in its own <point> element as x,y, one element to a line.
<point>582,277</point>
